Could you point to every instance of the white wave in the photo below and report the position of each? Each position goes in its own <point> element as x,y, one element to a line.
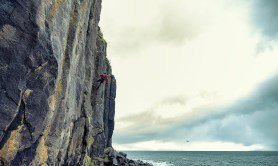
<point>157,163</point>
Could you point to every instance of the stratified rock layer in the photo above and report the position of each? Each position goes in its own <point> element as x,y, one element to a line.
<point>51,113</point>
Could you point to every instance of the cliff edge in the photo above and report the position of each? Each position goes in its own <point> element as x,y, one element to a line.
<point>51,113</point>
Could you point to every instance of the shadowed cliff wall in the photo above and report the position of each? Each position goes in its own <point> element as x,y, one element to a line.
<point>51,52</point>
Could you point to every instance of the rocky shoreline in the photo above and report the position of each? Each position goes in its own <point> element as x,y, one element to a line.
<point>114,158</point>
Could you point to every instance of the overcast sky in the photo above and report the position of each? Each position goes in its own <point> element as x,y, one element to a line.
<point>203,71</point>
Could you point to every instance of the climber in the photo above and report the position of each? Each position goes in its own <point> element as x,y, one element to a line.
<point>103,78</point>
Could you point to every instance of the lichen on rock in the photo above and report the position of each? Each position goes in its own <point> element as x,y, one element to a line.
<point>51,112</point>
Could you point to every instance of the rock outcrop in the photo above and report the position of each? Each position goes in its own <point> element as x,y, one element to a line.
<point>51,112</point>
<point>114,158</point>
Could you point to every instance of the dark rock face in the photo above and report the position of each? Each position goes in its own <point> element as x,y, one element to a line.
<point>51,112</point>
<point>114,158</point>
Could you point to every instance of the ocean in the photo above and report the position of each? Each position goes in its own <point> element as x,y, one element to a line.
<point>206,158</point>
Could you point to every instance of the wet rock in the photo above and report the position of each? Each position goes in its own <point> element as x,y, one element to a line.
<point>122,154</point>
<point>120,158</point>
<point>114,162</point>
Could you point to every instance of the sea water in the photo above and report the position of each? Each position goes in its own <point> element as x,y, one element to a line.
<point>187,158</point>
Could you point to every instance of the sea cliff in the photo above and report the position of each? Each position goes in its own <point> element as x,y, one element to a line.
<point>51,112</point>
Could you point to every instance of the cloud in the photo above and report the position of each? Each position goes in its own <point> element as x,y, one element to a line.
<point>168,27</point>
<point>164,117</point>
<point>174,27</point>
<point>264,16</point>
<point>149,23</point>
<point>255,116</point>
<point>249,121</point>
<point>148,123</point>
<point>181,49</point>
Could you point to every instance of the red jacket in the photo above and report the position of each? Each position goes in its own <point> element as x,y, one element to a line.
<point>104,76</point>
